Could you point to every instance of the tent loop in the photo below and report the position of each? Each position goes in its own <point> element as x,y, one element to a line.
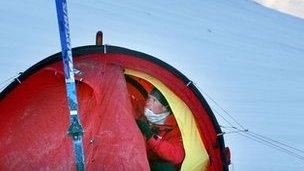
<point>11,78</point>
<point>18,80</point>
<point>220,134</point>
<point>77,71</point>
<point>190,82</point>
<point>105,48</point>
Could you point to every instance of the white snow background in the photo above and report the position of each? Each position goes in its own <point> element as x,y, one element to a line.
<point>248,58</point>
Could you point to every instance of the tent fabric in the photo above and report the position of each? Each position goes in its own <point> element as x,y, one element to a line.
<point>34,120</point>
<point>23,108</point>
<point>196,157</point>
<point>183,91</point>
<point>32,130</point>
<point>138,95</point>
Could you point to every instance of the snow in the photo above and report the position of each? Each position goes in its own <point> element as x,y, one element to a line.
<point>292,7</point>
<point>246,57</point>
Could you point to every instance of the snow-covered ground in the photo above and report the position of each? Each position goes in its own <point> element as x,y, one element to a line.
<point>248,58</point>
<point>293,7</point>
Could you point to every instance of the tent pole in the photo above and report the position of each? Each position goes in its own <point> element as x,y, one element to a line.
<point>75,129</point>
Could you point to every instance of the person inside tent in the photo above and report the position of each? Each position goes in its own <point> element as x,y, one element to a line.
<point>163,138</point>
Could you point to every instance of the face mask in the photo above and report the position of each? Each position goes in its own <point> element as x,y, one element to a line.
<point>156,118</point>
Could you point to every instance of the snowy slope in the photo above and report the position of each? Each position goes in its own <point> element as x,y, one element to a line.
<point>293,7</point>
<point>247,57</point>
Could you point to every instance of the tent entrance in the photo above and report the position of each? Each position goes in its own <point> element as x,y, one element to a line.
<point>196,157</point>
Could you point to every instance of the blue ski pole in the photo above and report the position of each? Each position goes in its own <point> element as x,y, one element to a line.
<point>75,130</point>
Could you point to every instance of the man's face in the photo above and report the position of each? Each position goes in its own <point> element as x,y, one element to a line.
<point>153,104</point>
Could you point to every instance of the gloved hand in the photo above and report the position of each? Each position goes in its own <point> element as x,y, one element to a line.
<point>155,130</point>
<point>144,128</point>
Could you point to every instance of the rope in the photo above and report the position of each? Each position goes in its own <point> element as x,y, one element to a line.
<point>230,132</point>
<point>283,144</point>
<point>269,144</point>
<point>233,118</point>
<point>9,80</point>
<point>215,111</point>
<point>229,127</point>
<point>267,139</point>
<point>283,147</point>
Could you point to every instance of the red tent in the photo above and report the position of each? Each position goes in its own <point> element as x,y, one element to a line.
<point>112,83</point>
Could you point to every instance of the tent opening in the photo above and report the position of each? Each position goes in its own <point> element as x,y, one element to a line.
<point>139,84</point>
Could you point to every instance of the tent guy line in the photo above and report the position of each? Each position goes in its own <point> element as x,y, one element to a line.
<point>270,142</point>
<point>8,81</point>
<point>282,147</point>
<point>225,111</point>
